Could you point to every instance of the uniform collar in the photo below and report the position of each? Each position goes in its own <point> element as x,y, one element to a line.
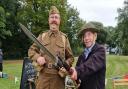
<point>55,33</point>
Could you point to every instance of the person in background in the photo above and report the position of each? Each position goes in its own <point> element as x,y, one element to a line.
<point>1,60</point>
<point>91,65</point>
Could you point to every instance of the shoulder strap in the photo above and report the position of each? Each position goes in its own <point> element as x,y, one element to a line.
<point>43,35</point>
<point>64,41</point>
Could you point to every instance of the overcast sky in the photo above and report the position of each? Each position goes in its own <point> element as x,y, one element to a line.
<point>103,11</point>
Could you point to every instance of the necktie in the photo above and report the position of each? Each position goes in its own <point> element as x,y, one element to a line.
<point>86,52</point>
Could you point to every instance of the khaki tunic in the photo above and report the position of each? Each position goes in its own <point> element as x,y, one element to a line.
<point>56,43</point>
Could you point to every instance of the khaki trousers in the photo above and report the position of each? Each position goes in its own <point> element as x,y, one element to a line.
<point>50,81</point>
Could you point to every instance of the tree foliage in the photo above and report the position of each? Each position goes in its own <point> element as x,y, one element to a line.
<point>123,27</point>
<point>4,32</point>
<point>74,25</point>
<point>11,44</point>
<point>111,36</point>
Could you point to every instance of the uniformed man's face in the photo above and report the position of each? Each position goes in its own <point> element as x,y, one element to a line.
<point>54,22</point>
<point>89,38</point>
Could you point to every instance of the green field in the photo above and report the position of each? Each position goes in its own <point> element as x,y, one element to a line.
<point>13,69</point>
<point>116,67</point>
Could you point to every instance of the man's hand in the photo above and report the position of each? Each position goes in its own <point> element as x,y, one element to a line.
<point>62,72</point>
<point>41,61</point>
<point>74,74</point>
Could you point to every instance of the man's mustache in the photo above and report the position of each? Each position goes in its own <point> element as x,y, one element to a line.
<point>54,22</point>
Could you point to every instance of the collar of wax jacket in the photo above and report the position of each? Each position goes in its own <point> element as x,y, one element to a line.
<point>87,51</point>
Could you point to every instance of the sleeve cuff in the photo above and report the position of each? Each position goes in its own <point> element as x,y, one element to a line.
<point>78,72</point>
<point>35,57</point>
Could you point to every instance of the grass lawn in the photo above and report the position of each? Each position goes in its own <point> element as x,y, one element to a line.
<point>116,67</point>
<point>13,69</point>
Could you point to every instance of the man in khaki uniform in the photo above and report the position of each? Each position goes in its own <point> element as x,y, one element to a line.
<point>58,44</point>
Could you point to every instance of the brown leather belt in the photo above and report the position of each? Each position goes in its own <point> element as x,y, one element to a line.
<point>50,66</point>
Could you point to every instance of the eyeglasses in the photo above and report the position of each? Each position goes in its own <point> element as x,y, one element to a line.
<point>54,17</point>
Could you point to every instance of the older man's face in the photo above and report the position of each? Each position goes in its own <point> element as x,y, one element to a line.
<point>89,38</point>
<point>54,22</point>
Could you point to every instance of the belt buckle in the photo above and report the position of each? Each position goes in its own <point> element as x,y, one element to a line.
<point>49,65</point>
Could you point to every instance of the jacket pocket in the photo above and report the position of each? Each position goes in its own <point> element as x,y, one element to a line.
<point>45,42</point>
<point>60,44</point>
<point>60,49</point>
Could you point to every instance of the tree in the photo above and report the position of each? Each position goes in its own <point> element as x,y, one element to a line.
<point>123,27</point>
<point>111,36</point>
<point>3,31</point>
<point>11,27</point>
<point>74,24</point>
